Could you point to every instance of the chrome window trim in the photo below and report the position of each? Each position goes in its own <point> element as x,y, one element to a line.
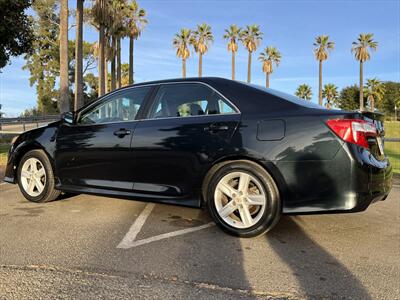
<point>200,116</point>
<point>155,84</point>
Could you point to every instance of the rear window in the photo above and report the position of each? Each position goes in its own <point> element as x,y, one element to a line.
<point>287,97</point>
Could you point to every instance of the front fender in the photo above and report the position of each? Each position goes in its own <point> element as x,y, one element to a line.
<point>43,138</point>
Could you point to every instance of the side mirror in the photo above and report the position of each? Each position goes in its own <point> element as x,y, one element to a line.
<point>69,117</point>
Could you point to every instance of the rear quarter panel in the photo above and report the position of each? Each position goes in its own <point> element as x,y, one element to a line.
<point>304,162</point>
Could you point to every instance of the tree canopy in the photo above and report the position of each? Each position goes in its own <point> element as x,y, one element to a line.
<point>16,34</point>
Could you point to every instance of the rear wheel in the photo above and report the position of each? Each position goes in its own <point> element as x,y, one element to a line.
<point>35,177</point>
<point>243,199</point>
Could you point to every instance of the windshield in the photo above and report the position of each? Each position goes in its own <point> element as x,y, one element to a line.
<point>287,97</point>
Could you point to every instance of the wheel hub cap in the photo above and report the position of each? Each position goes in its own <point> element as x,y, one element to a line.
<point>240,199</point>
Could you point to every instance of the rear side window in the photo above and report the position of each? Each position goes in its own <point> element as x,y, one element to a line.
<point>186,100</point>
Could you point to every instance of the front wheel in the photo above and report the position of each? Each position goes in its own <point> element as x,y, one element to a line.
<point>243,199</point>
<point>35,177</point>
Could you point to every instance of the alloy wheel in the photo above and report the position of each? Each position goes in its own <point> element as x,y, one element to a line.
<point>33,177</point>
<point>240,199</point>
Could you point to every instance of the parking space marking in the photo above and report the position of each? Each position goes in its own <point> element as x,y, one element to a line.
<point>164,236</point>
<point>129,240</point>
<point>130,236</point>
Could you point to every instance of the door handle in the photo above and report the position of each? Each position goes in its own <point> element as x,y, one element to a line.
<point>216,128</point>
<point>122,132</point>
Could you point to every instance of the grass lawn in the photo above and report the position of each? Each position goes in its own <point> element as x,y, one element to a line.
<point>3,153</point>
<point>392,149</point>
<point>392,129</point>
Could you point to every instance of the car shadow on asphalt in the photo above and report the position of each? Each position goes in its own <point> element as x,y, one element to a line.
<point>318,272</point>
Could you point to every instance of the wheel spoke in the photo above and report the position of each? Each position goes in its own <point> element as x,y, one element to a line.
<point>244,182</point>
<point>31,186</point>
<point>226,189</point>
<point>245,215</point>
<point>25,174</point>
<point>227,209</point>
<point>255,199</point>
<point>41,173</point>
<point>39,185</point>
<point>33,165</point>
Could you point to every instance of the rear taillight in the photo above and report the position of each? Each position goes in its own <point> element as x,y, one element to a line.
<point>353,130</point>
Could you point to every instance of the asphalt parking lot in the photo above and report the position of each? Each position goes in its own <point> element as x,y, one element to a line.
<point>96,247</point>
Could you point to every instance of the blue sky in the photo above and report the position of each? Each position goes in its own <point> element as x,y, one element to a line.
<point>291,26</point>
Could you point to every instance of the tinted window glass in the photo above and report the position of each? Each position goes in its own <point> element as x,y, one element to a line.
<point>120,107</point>
<point>189,99</point>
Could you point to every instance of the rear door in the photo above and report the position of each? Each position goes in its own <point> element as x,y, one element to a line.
<point>188,126</point>
<point>95,152</point>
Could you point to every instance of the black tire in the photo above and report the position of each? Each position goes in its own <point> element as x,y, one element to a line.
<point>272,212</point>
<point>49,192</point>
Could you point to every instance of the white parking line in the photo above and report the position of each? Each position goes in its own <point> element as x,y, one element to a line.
<point>130,236</point>
<point>164,236</point>
<point>129,239</point>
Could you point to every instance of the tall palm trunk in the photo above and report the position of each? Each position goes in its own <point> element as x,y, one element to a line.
<point>118,62</point>
<point>320,84</point>
<point>328,104</point>
<point>131,48</point>
<point>113,81</point>
<point>106,75</point>
<point>200,64</point>
<point>233,65</point>
<point>249,68</point>
<point>361,87</point>
<point>64,93</point>
<point>101,61</point>
<point>184,68</point>
<point>267,79</point>
<point>372,103</point>
<point>79,56</point>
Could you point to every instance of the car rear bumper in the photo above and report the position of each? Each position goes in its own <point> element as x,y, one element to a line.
<point>350,182</point>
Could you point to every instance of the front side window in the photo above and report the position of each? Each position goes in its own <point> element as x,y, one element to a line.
<point>188,99</point>
<point>120,107</point>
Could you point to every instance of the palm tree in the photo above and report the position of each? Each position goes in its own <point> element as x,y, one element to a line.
<point>201,40</point>
<point>113,62</point>
<point>330,93</point>
<point>304,92</point>
<point>251,37</point>
<point>102,17</point>
<point>232,35</point>
<point>64,90</point>
<point>322,47</point>
<point>78,103</point>
<point>269,57</point>
<point>181,43</point>
<point>360,49</point>
<point>136,23</point>
<point>374,90</point>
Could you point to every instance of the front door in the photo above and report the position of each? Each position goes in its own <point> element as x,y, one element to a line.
<point>95,152</point>
<point>188,126</point>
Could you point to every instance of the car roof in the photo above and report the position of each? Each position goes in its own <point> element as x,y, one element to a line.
<point>249,98</point>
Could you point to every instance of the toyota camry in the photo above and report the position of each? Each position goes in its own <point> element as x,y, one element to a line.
<point>247,153</point>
